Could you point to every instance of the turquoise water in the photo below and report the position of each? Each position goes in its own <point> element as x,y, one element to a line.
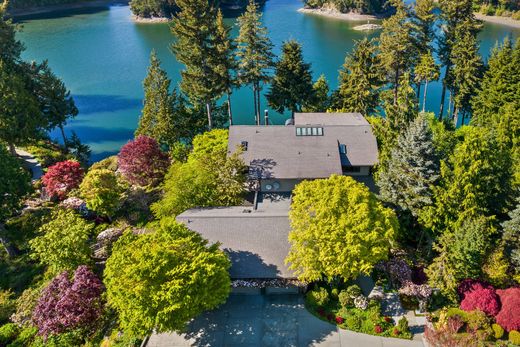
<point>102,56</point>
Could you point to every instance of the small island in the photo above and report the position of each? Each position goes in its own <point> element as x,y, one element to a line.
<point>364,10</point>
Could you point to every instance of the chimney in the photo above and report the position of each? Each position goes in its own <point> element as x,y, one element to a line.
<point>266,117</point>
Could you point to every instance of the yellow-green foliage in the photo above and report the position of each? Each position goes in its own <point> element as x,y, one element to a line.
<point>162,279</point>
<point>109,163</point>
<point>495,268</point>
<point>318,297</point>
<point>498,331</point>
<point>514,337</point>
<point>7,305</point>
<point>101,191</point>
<point>339,229</point>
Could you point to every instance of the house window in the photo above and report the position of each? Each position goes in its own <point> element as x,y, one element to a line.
<point>309,131</point>
<point>351,169</point>
<point>298,131</point>
<point>342,148</point>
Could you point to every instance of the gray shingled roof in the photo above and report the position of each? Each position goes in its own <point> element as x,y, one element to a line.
<point>276,152</point>
<point>256,242</point>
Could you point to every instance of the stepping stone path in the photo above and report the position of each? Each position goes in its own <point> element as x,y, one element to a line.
<point>31,163</point>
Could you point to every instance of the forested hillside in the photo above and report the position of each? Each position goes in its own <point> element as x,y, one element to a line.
<point>20,4</point>
<point>344,6</point>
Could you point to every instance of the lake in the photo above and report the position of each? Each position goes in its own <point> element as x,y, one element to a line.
<point>102,56</point>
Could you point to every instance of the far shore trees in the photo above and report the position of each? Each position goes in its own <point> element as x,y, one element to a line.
<point>160,280</point>
<point>255,58</point>
<point>326,213</point>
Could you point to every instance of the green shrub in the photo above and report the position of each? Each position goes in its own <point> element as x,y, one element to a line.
<point>25,337</point>
<point>102,191</point>
<point>346,297</point>
<point>498,331</point>
<point>7,305</point>
<point>47,153</point>
<point>109,163</point>
<point>514,337</point>
<point>334,293</point>
<point>477,320</point>
<point>516,15</point>
<point>354,291</point>
<point>8,333</point>
<point>318,297</point>
<point>402,325</point>
<point>354,322</point>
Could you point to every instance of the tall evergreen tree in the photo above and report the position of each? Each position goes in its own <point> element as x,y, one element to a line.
<point>226,63</point>
<point>360,80</point>
<point>195,31</point>
<point>500,85</point>
<point>292,83</point>
<point>426,71</point>
<point>467,68</point>
<point>453,12</point>
<point>254,53</point>
<point>412,170</point>
<point>321,98</point>
<point>11,48</point>
<point>399,114</point>
<point>511,236</point>
<point>397,46</point>
<point>425,18</point>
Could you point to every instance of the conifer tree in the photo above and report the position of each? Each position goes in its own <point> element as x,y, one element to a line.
<point>426,71</point>
<point>412,170</point>
<point>397,46</point>
<point>226,63</point>
<point>511,237</point>
<point>254,53</point>
<point>195,30</point>
<point>359,80</point>
<point>402,112</point>
<point>453,12</point>
<point>425,18</point>
<point>500,84</point>
<point>292,83</point>
<point>321,99</point>
<point>467,68</point>
<point>11,47</point>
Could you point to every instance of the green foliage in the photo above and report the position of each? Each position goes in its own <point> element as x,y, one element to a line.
<point>102,191</point>
<point>338,210</point>
<point>514,337</point>
<point>412,170</point>
<point>346,297</point>
<point>8,333</point>
<point>498,331</point>
<point>7,305</point>
<point>291,86</point>
<point>25,305</point>
<point>401,108</point>
<point>46,152</point>
<point>495,268</point>
<point>402,325</point>
<point>109,163</point>
<point>359,80</point>
<point>25,337</point>
<point>345,6</point>
<point>511,238</point>
<point>321,100</point>
<point>153,8</point>
<point>63,243</point>
<point>426,71</point>
<point>15,183</point>
<point>208,178</point>
<point>425,19</point>
<point>150,276</point>
<point>317,297</point>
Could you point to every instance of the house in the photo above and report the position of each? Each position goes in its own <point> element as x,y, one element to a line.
<point>314,145</point>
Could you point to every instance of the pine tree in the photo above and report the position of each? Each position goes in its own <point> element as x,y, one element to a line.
<point>511,237</point>
<point>226,63</point>
<point>195,30</point>
<point>412,170</point>
<point>425,19</point>
<point>397,46</point>
<point>292,83</point>
<point>254,53</point>
<point>321,99</point>
<point>500,84</point>
<point>426,71</point>
<point>359,80</point>
<point>11,48</point>
<point>453,12</point>
<point>399,114</point>
<point>467,68</point>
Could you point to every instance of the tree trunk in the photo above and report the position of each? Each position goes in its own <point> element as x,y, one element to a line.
<point>210,121</point>
<point>12,149</point>
<point>11,250</point>
<point>64,137</point>
<point>396,86</point>
<point>443,94</point>
<point>258,105</point>
<point>419,85</point>
<point>456,116</point>
<point>425,93</point>
<point>254,98</point>
<point>450,113</point>
<point>230,113</point>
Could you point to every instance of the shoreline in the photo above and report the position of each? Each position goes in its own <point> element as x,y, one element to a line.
<point>82,4</point>
<point>507,21</point>
<point>329,13</point>
<point>151,20</point>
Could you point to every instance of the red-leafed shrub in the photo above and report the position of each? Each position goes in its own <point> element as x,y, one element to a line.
<point>65,305</point>
<point>378,329</point>
<point>509,315</point>
<point>339,320</point>
<point>469,285</point>
<point>483,299</point>
<point>141,161</point>
<point>61,178</point>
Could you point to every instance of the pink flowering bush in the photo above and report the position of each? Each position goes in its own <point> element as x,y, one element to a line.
<point>61,178</point>
<point>141,161</point>
<point>469,285</point>
<point>483,299</point>
<point>422,291</point>
<point>398,270</point>
<point>378,329</point>
<point>65,305</point>
<point>509,315</point>
<point>339,320</point>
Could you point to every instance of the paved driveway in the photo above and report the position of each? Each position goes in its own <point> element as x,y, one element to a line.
<point>271,321</point>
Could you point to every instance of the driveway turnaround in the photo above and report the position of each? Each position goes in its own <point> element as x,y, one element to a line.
<point>270,321</point>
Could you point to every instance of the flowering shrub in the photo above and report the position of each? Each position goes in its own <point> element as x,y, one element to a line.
<point>469,285</point>
<point>378,329</point>
<point>361,302</point>
<point>61,178</point>
<point>141,161</point>
<point>65,305</point>
<point>483,299</point>
<point>509,315</point>
<point>399,271</point>
<point>339,320</point>
<point>422,291</point>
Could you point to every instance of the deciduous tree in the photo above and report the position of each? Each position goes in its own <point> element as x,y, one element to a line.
<point>101,191</point>
<point>61,178</point>
<point>162,279</point>
<point>338,229</point>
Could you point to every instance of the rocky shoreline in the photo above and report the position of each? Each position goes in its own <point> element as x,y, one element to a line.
<point>499,20</point>
<point>332,13</point>
<point>151,20</point>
